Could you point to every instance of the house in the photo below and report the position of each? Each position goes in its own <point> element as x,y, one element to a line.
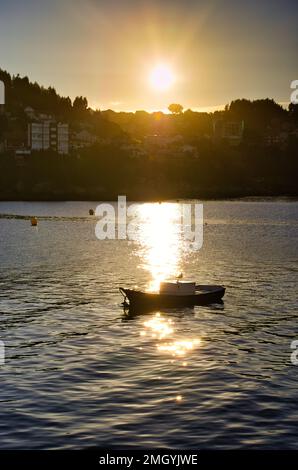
<point>230,131</point>
<point>82,139</point>
<point>162,141</point>
<point>134,149</point>
<point>280,133</point>
<point>33,115</point>
<point>190,150</point>
<point>30,113</point>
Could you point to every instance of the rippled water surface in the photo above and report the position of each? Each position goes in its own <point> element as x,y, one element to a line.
<point>81,372</point>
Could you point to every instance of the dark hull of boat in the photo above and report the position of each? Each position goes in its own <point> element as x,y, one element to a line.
<point>204,295</point>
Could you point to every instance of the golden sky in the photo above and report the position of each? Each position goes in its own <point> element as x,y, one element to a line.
<point>215,51</point>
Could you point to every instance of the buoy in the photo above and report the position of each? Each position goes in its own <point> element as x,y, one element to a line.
<point>33,221</point>
<point>91,212</point>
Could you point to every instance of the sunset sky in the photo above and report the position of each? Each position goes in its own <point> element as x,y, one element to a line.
<point>113,51</point>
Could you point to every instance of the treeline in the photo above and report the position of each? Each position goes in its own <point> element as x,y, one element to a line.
<point>258,116</point>
<point>103,171</point>
<point>20,93</point>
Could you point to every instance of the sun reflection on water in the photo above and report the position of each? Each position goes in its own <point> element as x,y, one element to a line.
<point>161,328</point>
<point>161,241</point>
<point>161,248</point>
<point>168,342</point>
<point>179,348</point>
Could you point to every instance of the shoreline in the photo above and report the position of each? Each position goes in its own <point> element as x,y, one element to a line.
<point>279,198</point>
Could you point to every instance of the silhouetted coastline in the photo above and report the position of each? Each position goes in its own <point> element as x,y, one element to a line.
<point>248,149</point>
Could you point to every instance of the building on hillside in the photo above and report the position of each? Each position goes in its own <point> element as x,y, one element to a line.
<point>62,138</point>
<point>82,139</point>
<point>280,135</point>
<point>231,131</point>
<point>30,113</point>
<point>48,135</point>
<point>162,141</point>
<point>36,116</point>
<point>2,111</point>
<point>134,149</point>
<point>2,96</point>
<point>190,150</point>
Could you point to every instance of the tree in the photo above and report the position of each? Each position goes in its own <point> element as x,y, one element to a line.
<point>80,104</point>
<point>293,111</point>
<point>175,108</point>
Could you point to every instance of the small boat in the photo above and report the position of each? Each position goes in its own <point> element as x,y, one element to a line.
<point>91,212</point>
<point>174,294</point>
<point>34,221</point>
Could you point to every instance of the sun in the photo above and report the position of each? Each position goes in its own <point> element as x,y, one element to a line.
<point>161,78</point>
